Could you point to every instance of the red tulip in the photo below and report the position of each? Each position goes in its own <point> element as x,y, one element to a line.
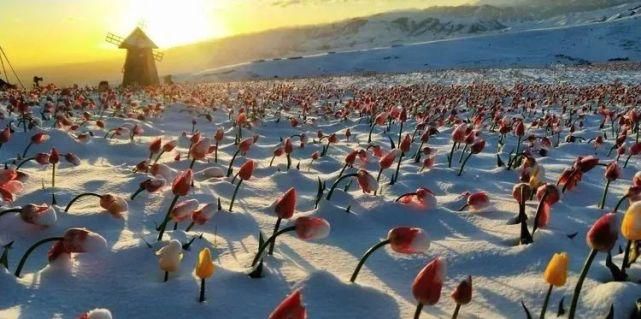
<point>477,146</point>
<point>42,158</point>
<point>244,145</point>
<point>311,228</point>
<point>54,156</point>
<point>200,149</point>
<point>387,160</point>
<point>42,215</point>
<point>182,183</point>
<point>585,164</point>
<point>72,158</point>
<point>604,233</point>
<point>458,134</point>
<point>246,170</point>
<point>169,146</point>
<point>462,295</point>
<point>612,171</point>
<point>39,138</point>
<point>203,214</point>
<point>77,240</point>
<point>286,204</point>
<point>408,240</point>
<point>366,181</point>
<point>405,144</point>
<point>5,135</point>
<point>290,308</point>
<point>429,282</point>
<point>184,210</point>
<point>220,133</point>
<point>155,146</point>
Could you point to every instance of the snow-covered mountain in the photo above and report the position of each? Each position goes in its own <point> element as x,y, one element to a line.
<point>398,28</point>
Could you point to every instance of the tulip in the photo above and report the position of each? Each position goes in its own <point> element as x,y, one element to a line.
<point>290,308</point>
<point>428,284</point>
<point>636,180</point>
<point>41,215</point>
<point>180,187</point>
<point>631,230</point>
<point>202,215</point>
<point>365,180</point>
<point>349,161</point>
<point>458,136</point>
<point>288,148</point>
<point>199,151</point>
<point>244,173</point>
<point>72,158</point>
<point>243,147</point>
<point>37,138</point>
<point>380,120</point>
<point>462,295</point>
<point>5,136</point>
<point>635,149</point>
<point>155,147</point>
<point>284,208</point>
<point>476,201</point>
<point>548,195</point>
<point>151,185</point>
<point>476,148</point>
<point>277,152</point>
<point>403,240</point>
<point>600,238</point>
<point>184,210</point>
<point>612,172</point>
<point>385,162</point>
<point>169,257</point>
<point>556,274</point>
<point>218,136</point>
<point>74,240</point>
<point>96,314</point>
<point>422,197</point>
<point>204,270</point>
<point>306,228</point>
<point>113,204</point>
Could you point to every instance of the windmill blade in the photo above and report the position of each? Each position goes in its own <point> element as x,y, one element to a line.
<point>114,39</point>
<point>158,56</point>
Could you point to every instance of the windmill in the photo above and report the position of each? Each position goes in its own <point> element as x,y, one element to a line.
<point>140,64</point>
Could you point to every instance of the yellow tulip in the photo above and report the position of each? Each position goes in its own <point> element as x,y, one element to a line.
<point>556,272</point>
<point>204,267</point>
<point>631,224</point>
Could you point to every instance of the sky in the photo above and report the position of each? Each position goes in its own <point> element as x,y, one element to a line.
<point>54,32</point>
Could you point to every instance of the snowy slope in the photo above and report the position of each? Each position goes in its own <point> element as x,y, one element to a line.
<point>597,42</point>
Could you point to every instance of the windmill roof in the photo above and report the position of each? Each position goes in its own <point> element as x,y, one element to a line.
<point>138,39</point>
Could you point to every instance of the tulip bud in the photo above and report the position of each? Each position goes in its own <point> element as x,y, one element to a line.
<point>170,255</point>
<point>477,146</point>
<point>42,158</point>
<point>184,210</point>
<point>631,224</point>
<point>115,205</point>
<point>205,213</point>
<point>96,314</point>
<point>200,149</point>
<point>182,183</point>
<point>556,272</point>
<point>155,145</point>
<point>429,282</point>
<point>462,295</point>
<point>286,204</point>
<point>246,170</point>
<point>43,215</point>
<point>387,160</point>
<point>408,240</point>
<point>72,158</point>
<point>366,181</point>
<point>311,228</point>
<point>54,156</point>
<point>204,267</point>
<point>405,144</point>
<point>612,171</point>
<point>290,308</point>
<point>603,234</point>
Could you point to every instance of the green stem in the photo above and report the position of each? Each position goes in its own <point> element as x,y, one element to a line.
<point>13,210</point>
<point>140,189</point>
<point>24,154</point>
<point>460,171</point>
<point>230,170</point>
<point>202,290</point>
<point>545,302</point>
<point>456,310</point>
<point>233,197</point>
<point>398,167</point>
<point>271,247</point>
<point>78,197</point>
<point>361,262</point>
<point>460,158</point>
<point>605,193</point>
<point>24,162</point>
<point>449,159</point>
<point>191,225</point>
<point>53,176</point>
<point>579,284</point>
<point>33,247</point>
<point>266,244</point>
<point>369,137</point>
<point>626,161</point>
<point>626,257</point>
<point>417,313</point>
<point>158,157</point>
<point>191,165</point>
<point>623,198</point>
<point>289,161</point>
<point>166,276</point>
<point>331,191</point>
<point>161,230</point>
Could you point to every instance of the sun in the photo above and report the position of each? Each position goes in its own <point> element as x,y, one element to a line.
<point>171,23</point>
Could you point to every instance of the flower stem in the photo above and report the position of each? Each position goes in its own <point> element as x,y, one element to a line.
<point>78,197</point>
<point>264,246</point>
<point>419,308</point>
<point>361,262</point>
<point>202,290</point>
<point>398,167</point>
<point>456,310</point>
<point>460,171</point>
<point>161,230</point>
<point>230,169</point>
<point>623,198</point>
<point>33,247</point>
<point>605,193</point>
<point>271,247</point>
<point>140,189</point>
<point>24,162</point>
<point>166,276</point>
<point>626,257</point>
<point>449,159</point>
<point>233,197</point>
<point>331,190</point>
<point>545,302</point>
<point>24,154</point>
<point>579,284</point>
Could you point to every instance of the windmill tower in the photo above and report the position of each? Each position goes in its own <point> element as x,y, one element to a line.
<point>140,64</point>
